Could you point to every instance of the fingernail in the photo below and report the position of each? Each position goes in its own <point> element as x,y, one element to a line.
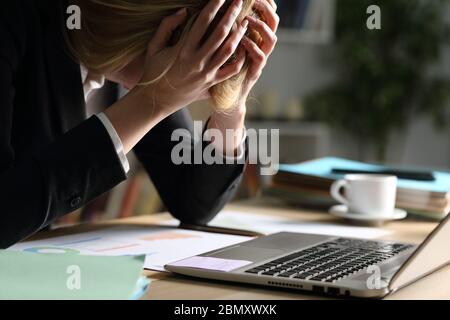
<point>245,24</point>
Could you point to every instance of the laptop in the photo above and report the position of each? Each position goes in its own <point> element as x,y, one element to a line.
<point>326,265</point>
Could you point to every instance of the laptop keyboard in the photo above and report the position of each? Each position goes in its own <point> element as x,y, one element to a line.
<point>331,261</point>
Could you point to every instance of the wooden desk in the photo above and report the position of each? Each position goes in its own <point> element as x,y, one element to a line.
<point>167,286</point>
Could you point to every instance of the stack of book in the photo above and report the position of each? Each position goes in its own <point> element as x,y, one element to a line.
<point>304,14</point>
<point>308,184</point>
<point>135,197</point>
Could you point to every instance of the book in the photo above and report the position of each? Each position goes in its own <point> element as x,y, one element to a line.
<point>321,170</point>
<point>136,196</point>
<point>301,196</point>
<point>148,200</point>
<point>130,198</point>
<point>94,210</point>
<point>315,16</point>
<point>312,181</point>
<point>301,13</point>
<point>114,205</point>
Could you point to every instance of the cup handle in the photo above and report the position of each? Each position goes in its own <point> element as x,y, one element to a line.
<point>336,191</point>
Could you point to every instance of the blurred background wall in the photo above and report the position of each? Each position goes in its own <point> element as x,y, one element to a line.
<point>297,69</point>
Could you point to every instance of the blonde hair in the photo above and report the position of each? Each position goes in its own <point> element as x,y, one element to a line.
<point>115,32</point>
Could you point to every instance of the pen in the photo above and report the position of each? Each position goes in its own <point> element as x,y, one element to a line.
<point>235,232</point>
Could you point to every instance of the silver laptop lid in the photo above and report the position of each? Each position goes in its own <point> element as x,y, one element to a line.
<point>431,255</point>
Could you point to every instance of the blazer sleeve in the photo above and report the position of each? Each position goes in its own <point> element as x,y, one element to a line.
<point>60,178</point>
<point>193,194</point>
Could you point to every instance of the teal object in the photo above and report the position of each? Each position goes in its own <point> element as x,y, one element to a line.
<point>322,168</point>
<point>142,287</point>
<point>69,276</point>
<point>52,250</point>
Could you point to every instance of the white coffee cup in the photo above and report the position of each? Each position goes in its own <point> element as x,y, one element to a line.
<point>367,194</point>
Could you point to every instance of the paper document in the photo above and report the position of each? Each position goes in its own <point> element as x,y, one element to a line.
<point>271,225</point>
<point>161,245</point>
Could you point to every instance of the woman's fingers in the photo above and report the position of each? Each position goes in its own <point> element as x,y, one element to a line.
<point>223,29</point>
<point>273,4</point>
<point>226,52</point>
<point>165,31</point>
<point>202,23</point>
<point>268,12</point>
<point>257,57</point>
<point>232,69</point>
<point>269,39</point>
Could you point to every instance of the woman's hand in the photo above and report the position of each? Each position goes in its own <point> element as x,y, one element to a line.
<point>257,56</point>
<point>197,66</point>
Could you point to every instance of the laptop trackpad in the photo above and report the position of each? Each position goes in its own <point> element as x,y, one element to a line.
<point>247,253</point>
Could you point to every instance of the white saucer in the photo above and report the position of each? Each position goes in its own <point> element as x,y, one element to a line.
<point>341,211</point>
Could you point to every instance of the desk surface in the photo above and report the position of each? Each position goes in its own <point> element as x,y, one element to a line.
<point>168,286</point>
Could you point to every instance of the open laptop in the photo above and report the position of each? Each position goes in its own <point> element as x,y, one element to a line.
<point>324,264</point>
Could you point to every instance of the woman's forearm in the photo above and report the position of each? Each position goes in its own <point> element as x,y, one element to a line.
<point>134,116</point>
<point>231,127</point>
<point>137,113</point>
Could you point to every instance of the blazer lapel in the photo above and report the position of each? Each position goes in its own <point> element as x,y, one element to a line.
<point>64,74</point>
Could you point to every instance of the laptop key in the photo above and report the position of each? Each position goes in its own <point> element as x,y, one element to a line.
<point>319,279</point>
<point>287,274</point>
<point>305,275</point>
<point>254,271</point>
<point>271,273</point>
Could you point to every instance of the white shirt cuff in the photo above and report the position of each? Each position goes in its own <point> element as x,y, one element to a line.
<point>116,141</point>
<point>240,151</point>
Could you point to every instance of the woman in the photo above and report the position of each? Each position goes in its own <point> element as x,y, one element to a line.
<point>53,160</point>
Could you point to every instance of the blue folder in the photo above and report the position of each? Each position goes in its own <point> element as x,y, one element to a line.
<point>322,168</point>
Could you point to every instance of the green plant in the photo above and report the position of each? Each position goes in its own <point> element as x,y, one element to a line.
<point>385,76</point>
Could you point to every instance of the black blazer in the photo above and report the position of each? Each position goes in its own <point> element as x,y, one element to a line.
<point>52,159</point>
